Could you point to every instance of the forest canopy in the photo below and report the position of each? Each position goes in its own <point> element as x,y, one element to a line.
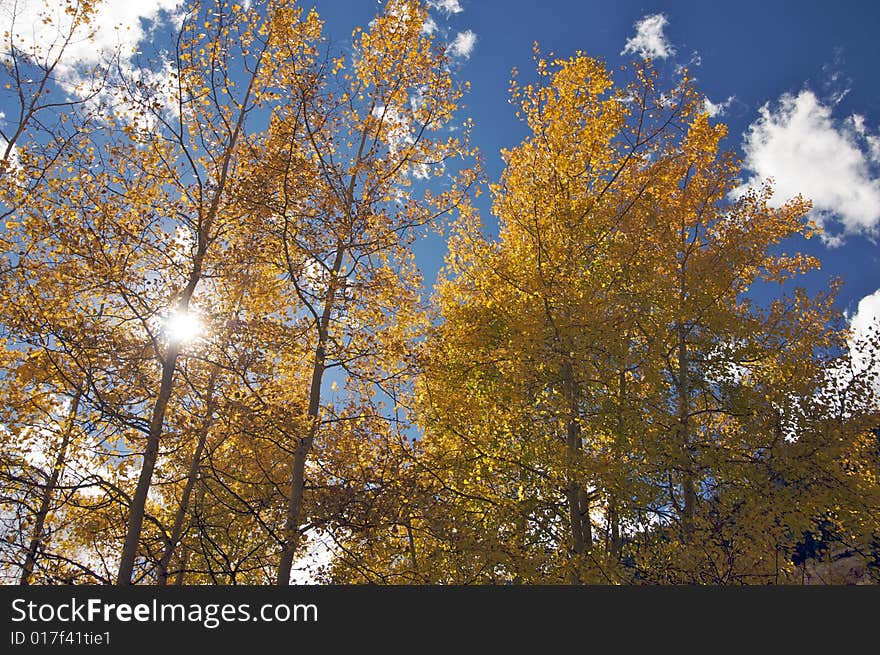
<point>220,358</point>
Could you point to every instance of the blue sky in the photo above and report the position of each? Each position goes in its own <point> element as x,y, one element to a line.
<point>796,83</point>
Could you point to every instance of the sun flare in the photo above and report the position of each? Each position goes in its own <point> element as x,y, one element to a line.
<point>183,327</point>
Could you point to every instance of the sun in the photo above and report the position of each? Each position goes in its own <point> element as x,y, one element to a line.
<point>183,327</point>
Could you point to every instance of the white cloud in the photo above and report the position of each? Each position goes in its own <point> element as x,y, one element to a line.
<point>430,26</point>
<point>463,44</point>
<point>396,127</point>
<point>38,29</point>
<point>315,560</point>
<point>449,7</point>
<point>650,41</point>
<point>805,151</point>
<point>315,276</point>
<point>865,323</point>
<point>851,383</point>
<point>716,109</point>
<point>874,145</point>
<point>10,158</point>
<point>857,121</point>
<point>863,343</point>
<point>397,130</point>
<point>116,23</point>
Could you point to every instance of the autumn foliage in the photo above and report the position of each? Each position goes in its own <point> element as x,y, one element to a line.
<point>219,358</point>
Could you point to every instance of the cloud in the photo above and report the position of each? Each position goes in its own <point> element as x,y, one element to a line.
<point>805,151</point>
<point>716,109</point>
<point>857,121</point>
<point>863,343</point>
<point>38,25</point>
<point>851,383</point>
<point>9,159</point>
<point>866,320</point>
<point>449,7</point>
<point>315,561</point>
<point>463,44</point>
<point>397,132</point>
<point>650,41</point>
<point>430,26</point>
<point>38,29</point>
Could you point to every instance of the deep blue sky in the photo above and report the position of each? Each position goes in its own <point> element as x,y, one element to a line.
<point>802,74</point>
<point>754,51</point>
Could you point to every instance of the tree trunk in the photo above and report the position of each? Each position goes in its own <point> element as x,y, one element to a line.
<point>301,453</point>
<point>614,529</point>
<point>191,480</point>
<point>157,419</point>
<point>687,464</point>
<point>30,561</point>
<point>297,476</point>
<point>186,551</point>
<point>576,534</point>
<point>573,490</point>
<point>139,501</point>
<point>586,522</point>
<point>613,546</point>
<point>522,526</point>
<point>411,543</point>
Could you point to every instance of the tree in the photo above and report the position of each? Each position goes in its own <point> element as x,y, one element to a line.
<point>337,193</point>
<point>190,271</point>
<point>124,231</point>
<point>599,368</point>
